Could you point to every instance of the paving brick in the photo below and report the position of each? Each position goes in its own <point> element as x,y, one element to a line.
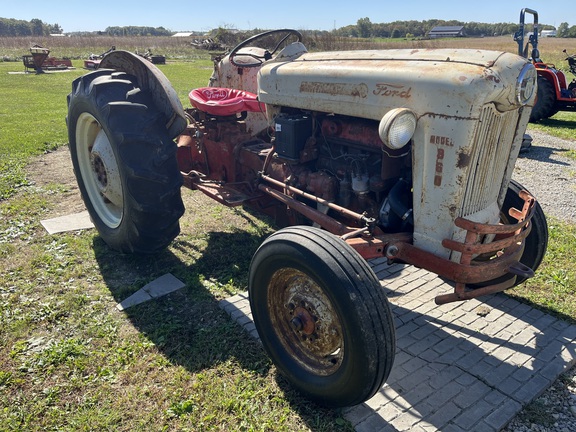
<point>495,397</point>
<point>425,344</point>
<point>405,341</point>
<point>389,412</point>
<point>519,358</point>
<point>358,414</point>
<point>441,417</point>
<point>497,375</point>
<point>406,420</point>
<point>467,419</point>
<point>472,394</point>
<point>503,414</point>
<point>569,334</point>
<point>444,394</point>
<point>511,385</point>
<point>452,356</point>
<point>378,400</point>
<point>531,389</point>
<point>374,423</point>
<point>429,355</point>
<point>552,370</point>
<point>405,330</point>
<point>418,392</point>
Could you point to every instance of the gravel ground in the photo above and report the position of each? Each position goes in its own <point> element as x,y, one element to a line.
<point>551,177</point>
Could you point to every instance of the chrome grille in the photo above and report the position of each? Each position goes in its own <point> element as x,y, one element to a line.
<point>489,158</point>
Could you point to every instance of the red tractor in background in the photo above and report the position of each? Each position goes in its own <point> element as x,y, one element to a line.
<point>554,93</point>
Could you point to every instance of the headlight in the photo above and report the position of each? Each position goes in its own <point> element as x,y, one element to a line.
<point>397,127</point>
<point>526,84</point>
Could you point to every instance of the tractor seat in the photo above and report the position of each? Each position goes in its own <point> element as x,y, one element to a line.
<point>224,101</point>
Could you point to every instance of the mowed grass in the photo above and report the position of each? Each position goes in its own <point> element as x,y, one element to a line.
<point>69,360</point>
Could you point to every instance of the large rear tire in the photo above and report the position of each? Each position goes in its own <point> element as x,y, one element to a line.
<point>124,162</point>
<point>545,101</point>
<point>322,316</point>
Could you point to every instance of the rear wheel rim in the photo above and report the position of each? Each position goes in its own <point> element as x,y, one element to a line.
<point>99,170</point>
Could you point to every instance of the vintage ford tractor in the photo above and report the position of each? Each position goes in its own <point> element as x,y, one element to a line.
<point>403,154</point>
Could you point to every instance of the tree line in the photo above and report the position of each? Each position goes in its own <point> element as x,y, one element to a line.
<point>363,28</point>
<point>419,29</point>
<point>34,27</point>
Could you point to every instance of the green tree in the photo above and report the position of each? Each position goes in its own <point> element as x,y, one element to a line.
<point>37,27</point>
<point>562,30</point>
<point>364,27</point>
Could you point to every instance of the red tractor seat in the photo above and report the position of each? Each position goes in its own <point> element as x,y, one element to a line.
<point>224,101</point>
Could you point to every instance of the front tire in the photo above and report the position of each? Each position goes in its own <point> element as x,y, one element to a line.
<point>124,162</point>
<point>537,241</point>
<point>322,316</point>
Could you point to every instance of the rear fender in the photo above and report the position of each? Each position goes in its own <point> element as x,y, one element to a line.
<point>552,76</point>
<point>151,79</point>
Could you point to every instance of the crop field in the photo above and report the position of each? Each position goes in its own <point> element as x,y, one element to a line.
<point>69,360</point>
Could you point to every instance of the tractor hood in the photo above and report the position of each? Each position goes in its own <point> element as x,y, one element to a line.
<point>368,84</point>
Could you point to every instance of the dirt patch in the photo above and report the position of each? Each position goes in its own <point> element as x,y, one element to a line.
<point>55,168</point>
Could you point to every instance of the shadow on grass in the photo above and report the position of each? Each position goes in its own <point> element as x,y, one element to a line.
<point>188,326</point>
<point>552,122</point>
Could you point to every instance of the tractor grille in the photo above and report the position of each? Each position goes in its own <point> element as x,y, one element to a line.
<point>490,153</point>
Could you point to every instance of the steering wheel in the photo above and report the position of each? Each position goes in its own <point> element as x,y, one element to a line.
<point>273,39</point>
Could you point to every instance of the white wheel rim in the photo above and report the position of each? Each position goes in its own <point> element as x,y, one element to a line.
<point>99,170</point>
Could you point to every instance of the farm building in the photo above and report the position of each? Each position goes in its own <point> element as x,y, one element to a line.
<point>446,31</point>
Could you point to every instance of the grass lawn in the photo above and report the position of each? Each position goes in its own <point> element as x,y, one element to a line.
<point>69,360</point>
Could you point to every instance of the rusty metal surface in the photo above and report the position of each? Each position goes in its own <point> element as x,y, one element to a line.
<point>501,256</point>
<point>357,217</point>
<point>306,323</point>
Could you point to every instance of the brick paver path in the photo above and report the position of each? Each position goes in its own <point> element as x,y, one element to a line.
<point>467,366</point>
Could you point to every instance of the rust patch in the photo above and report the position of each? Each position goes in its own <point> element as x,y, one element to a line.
<point>333,89</point>
<point>489,76</point>
<point>463,160</point>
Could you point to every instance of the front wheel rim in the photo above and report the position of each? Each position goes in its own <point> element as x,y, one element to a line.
<point>99,170</point>
<point>305,322</point>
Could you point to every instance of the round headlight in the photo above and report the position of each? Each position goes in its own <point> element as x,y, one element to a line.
<point>526,84</point>
<point>397,127</point>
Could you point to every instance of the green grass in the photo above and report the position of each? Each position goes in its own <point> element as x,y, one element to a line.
<point>32,120</point>
<point>561,125</point>
<point>553,289</point>
<point>69,360</point>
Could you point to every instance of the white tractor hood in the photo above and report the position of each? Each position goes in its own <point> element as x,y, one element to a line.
<point>367,84</point>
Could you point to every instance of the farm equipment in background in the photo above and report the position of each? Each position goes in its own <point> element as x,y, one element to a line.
<point>39,61</point>
<point>402,154</point>
<point>153,58</point>
<point>94,59</point>
<point>554,92</point>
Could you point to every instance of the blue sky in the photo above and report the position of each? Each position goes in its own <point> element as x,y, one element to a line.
<point>201,15</point>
